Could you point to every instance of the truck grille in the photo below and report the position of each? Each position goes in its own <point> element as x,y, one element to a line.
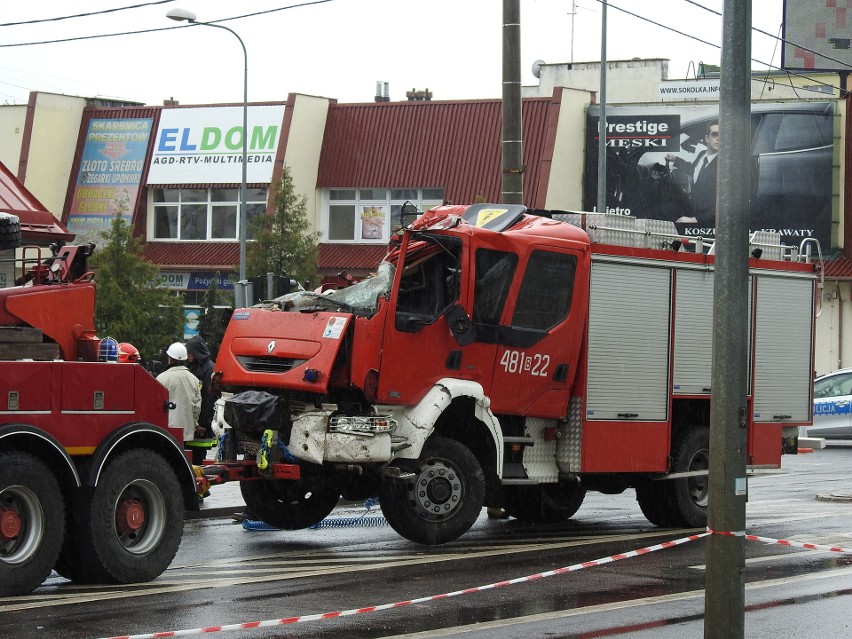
<point>268,364</point>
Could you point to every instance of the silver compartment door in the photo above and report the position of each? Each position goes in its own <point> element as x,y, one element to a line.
<point>693,338</point>
<point>629,322</point>
<point>783,363</point>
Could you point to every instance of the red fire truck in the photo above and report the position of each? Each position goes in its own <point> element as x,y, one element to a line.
<point>512,358</point>
<point>93,483</point>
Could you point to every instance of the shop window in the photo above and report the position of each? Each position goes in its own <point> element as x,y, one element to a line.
<point>372,215</point>
<point>203,214</point>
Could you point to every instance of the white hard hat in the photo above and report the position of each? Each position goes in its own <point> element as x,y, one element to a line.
<point>177,352</point>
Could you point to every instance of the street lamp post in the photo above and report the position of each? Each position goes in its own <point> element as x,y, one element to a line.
<point>182,15</point>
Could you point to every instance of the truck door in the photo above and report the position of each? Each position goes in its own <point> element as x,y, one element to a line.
<point>419,348</point>
<point>539,335</point>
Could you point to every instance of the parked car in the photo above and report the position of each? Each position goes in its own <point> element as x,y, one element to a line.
<point>832,406</point>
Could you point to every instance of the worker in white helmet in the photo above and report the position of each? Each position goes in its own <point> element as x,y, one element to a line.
<point>184,390</point>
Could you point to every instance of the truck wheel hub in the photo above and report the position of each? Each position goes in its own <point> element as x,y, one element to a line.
<point>437,492</point>
<point>130,516</point>
<point>10,523</point>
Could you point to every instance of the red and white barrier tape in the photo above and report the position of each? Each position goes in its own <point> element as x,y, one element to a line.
<point>780,542</point>
<point>400,604</point>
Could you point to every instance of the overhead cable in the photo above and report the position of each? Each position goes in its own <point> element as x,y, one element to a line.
<point>124,33</point>
<point>84,15</point>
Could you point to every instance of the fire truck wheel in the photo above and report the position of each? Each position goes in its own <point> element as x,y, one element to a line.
<point>32,517</point>
<point>688,497</point>
<point>655,503</point>
<point>289,505</point>
<point>546,503</point>
<point>441,499</point>
<point>131,528</point>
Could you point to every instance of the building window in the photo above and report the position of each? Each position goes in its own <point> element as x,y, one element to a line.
<point>372,215</point>
<point>202,214</point>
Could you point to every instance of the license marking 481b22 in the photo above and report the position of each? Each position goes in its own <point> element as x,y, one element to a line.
<point>518,362</point>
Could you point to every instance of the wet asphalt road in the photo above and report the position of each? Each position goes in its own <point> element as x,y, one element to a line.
<point>224,574</point>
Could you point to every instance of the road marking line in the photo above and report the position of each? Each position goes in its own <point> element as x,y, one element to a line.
<point>586,610</point>
<point>167,583</point>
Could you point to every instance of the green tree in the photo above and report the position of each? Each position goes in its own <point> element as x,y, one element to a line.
<point>283,240</point>
<point>129,307</point>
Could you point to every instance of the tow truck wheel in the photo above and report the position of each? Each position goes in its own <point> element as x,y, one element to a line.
<point>289,505</point>
<point>545,503</point>
<point>10,231</point>
<point>32,517</point>
<point>441,499</point>
<point>131,528</point>
<point>688,497</point>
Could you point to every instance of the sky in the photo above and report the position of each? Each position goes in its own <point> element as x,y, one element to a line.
<point>341,48</point>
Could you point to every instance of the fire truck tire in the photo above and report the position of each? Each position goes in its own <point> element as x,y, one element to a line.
<point>688,497</point>
<point>655,503</point>
<point>10,231</point>
<point>441,499</point>
<point>32,518</point>
<point>546,503</point>
<point>130,530</point>
<point>289,505</point>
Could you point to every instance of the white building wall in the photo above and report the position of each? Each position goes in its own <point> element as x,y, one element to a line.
<point>12,120</point>
<point>833,328</point>
<point>304,145</point>
<point>565,187</point>
<point>638,81</point>
<point>51,154</point>
<point>627,80</point>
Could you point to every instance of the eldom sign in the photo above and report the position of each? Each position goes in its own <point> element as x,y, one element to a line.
<point>204,145</point>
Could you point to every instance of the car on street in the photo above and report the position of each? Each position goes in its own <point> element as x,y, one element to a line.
<point>832,406</point>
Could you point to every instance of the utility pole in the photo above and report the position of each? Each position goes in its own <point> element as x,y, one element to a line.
<point>724,604</point>
<point>512,148</point>
<point>601,207</point>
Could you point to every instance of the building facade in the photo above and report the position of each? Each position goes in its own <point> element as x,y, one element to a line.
<point>365,169</point>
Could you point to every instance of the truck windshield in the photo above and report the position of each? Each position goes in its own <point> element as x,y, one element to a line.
<point>360,299</point>
<point>365,295</point>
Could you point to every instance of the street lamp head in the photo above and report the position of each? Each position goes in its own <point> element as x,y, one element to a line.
<point>181,15</point>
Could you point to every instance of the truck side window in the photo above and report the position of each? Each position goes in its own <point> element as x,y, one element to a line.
<point>545,296</point>
<point>494,273</point>
<point>429,286</point>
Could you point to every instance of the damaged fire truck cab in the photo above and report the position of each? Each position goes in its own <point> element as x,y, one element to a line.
<point>501,358</point>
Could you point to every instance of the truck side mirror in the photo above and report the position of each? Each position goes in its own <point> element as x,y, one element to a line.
<point>460,325</point>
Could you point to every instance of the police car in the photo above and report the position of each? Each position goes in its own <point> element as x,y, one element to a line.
<point>832,406</point>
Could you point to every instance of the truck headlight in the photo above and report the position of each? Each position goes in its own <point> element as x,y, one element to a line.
<point>367,425</point>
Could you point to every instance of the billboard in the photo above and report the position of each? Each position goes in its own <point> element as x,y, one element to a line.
<point>204,145</point>
<point>660,165</point>
<point>110,173</point>
<point>817,36</point>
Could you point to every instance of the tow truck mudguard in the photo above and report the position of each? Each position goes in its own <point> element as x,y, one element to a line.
<point>23,436</point>
<point>148,436</point>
